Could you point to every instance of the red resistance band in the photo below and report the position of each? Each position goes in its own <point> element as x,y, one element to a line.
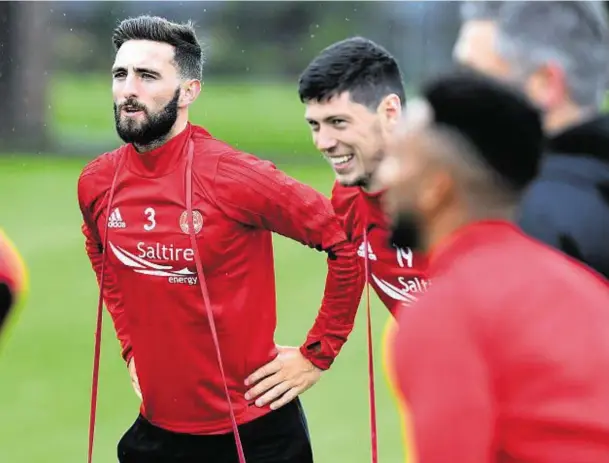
<point>371,388</point>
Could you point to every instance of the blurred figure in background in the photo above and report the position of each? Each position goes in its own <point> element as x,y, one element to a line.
<point>12,279</point>
<point>506,357</point>
<point>558,52</point>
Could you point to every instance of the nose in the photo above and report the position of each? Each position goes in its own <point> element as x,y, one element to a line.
<point>130,87</point>
<point>324,142</point>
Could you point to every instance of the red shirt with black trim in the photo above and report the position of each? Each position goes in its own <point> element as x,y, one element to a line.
<point>151,285</point>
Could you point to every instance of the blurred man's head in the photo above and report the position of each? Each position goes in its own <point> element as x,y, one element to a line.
<point>155,77</point>
<point>558,52</point>
<point>354,94</point>
<point>464,151</point>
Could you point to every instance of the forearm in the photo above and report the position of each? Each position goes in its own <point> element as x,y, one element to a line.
<point>336,318</point>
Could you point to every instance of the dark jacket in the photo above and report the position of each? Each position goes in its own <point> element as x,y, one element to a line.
<point>567,206</point>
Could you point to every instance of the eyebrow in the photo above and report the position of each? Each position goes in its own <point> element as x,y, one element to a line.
<point>329,118</point>
<point>137,70</point>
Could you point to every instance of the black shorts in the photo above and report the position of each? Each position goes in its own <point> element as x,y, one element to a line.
<point>280,436</point>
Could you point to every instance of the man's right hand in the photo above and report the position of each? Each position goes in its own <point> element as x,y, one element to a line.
<point>134,380</point>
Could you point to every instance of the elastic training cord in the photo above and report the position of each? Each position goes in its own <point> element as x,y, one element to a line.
<point>98,327</point>
<point>371,388</point>
<point>204,292</point>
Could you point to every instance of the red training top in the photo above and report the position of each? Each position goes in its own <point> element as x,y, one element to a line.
<point>506,357</point>
<point>396,274</point>
<point>152,289</point>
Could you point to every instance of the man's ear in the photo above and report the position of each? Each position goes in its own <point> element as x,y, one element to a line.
<point>389,112</point>
<point>547,86</point>
<point>390,109</point>
<point>189,92</point>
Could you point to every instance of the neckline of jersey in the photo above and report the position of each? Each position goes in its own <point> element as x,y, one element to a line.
<point>160,161</point>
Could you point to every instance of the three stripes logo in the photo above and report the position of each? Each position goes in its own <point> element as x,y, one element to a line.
<point>116,220</point>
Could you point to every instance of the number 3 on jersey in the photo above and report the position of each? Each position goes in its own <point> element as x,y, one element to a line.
<point>149,212</point>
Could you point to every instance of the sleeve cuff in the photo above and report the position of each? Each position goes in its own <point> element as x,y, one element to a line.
<point>317,354</point>
<point>127,354</point>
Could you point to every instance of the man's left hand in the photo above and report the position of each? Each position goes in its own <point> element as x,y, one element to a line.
<point>283,379</point>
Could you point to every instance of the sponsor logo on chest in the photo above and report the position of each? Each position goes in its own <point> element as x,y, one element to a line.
<point>160,258</point>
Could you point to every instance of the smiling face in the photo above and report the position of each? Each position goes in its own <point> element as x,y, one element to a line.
<point>350,135</point>
<point>147,91</point>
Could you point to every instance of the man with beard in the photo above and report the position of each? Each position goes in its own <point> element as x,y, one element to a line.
<point>178,228</point>
<point>506,357</point>
<point>558,52</point>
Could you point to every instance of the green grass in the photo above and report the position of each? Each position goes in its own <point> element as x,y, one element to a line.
<point>46,357</point>
<point>262,118</point>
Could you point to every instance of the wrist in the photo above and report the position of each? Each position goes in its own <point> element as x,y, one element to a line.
<point>314,354</point>
<point>128,356</point>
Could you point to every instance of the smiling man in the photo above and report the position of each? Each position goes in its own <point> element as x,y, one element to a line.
<point>178,227</point>
<point>354,95</point>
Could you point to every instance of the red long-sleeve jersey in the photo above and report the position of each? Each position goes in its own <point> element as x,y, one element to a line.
<point>152,291</point>
<point>506,357</point>
<point>396,274</point>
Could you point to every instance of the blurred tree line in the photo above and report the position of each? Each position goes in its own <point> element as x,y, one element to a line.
<point>241,39</point>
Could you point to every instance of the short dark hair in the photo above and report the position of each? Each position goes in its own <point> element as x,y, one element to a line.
<point>188,54</point>
<point>498,121</point>
<point>357,65</point>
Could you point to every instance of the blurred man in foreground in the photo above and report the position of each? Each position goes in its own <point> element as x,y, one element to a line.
<point>506,357</point>
<point>558,52</point>
<point>12,279</point>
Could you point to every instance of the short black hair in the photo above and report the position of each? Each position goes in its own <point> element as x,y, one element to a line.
<point>357,65</point>
<point>499,122</point>
<point>188,54</point>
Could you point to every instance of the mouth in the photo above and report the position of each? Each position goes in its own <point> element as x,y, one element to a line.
<point>341,162</point>
<point>131,110</point>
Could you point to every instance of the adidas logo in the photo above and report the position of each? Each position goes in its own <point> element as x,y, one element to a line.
<point>116,220</point>
<point>362,251</point>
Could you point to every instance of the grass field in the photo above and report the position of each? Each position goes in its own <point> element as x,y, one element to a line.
<point>45,360</point>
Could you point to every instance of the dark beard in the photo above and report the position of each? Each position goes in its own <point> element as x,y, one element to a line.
<point>406,232</point>
<point>361,182</point>
<point>153,130</point>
